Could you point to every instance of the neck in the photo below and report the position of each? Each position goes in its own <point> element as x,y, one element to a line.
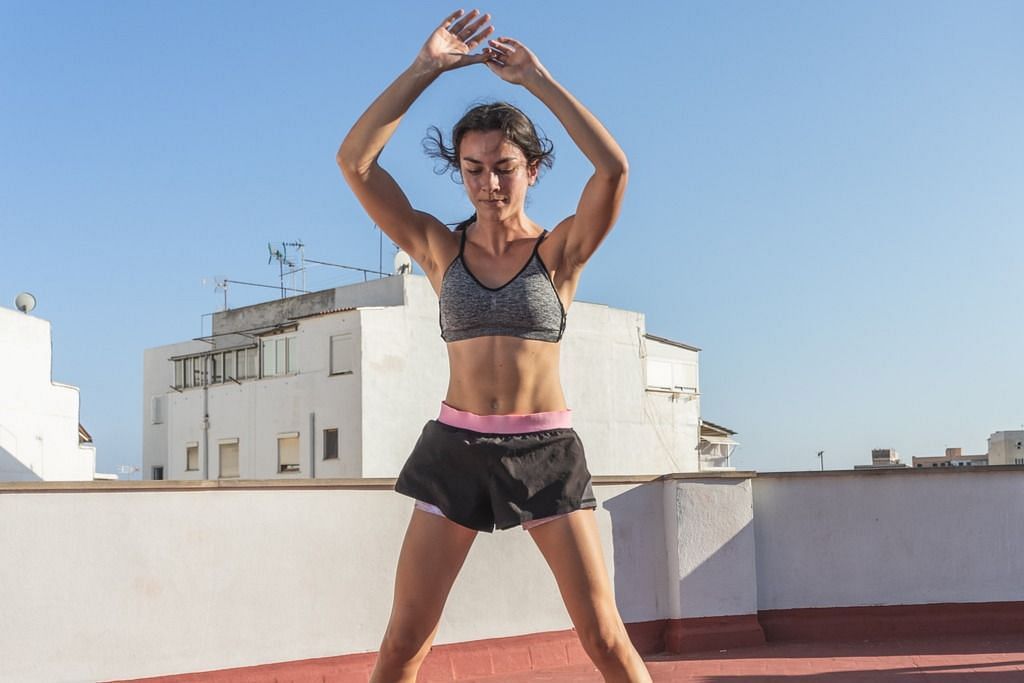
<point>497,234</point>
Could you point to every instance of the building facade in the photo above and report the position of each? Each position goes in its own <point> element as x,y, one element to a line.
<point>338,384</point>
<point>954,457</point>
<point>40,435</point>
<point>1006,448</point>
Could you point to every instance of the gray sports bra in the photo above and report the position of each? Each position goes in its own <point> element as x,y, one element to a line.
<point>527,306</point>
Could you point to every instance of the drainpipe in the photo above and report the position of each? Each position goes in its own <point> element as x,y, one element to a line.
<point>312,445</point>
<point>205,424</point>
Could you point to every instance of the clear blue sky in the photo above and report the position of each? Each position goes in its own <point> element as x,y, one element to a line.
<point>826,197</point>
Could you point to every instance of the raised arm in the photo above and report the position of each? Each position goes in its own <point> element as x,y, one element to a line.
<point>447,48</point>
<point>602,195</point>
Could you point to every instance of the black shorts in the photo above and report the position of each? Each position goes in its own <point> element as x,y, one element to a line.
<point>483,481</point>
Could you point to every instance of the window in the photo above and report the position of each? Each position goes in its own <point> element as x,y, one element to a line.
<point>192,457</point>
<point>179,373</point>
<point>671,374</point>
<point>216,365</point>
<point>279,356</point>
<point>158,472</point>
<point>342,360</point>
<point>330,444</point>
<point>288,452</point>
<point>229,366</point>
<point>228,458</point>
<point>252,358</point>
<point>156,410</point>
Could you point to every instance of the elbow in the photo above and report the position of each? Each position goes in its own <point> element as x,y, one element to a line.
<point>345,158</point>
<point>621,168</point>
<point>615,170</point>
<point>353,169</point>
<point>615,175</point>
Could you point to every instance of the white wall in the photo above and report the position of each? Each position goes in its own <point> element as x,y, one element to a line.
<point>889,537</point>
<point>709,534</point>
<point>38,417</point>
<point>179,581</point>
<point>406,369</point>
<point>157,379</point>
<point>171,581</point>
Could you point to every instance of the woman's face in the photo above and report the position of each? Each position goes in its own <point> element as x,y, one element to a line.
<point>495,173</point>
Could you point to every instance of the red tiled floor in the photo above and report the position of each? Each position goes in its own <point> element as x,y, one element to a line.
<point>945,660</point>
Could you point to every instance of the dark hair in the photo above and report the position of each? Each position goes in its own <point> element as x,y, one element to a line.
<point>516,126</point>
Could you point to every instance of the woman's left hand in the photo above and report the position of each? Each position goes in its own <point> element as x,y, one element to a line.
<point>512,61</point>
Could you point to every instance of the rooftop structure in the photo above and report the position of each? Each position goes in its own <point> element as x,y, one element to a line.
<point>882,458</point>
<point>40,434</point>
<point>310,386</point>
<point>953,457</point>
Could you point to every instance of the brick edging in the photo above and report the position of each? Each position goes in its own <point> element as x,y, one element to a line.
<point>540,651</point>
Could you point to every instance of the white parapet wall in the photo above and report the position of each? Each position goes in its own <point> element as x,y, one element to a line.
<point>126,580</point>
<point>114,580</point>
<point>889,537</point>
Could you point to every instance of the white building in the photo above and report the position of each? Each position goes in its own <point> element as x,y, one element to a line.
<point>1006,448</point>
<point>40,435</point>
<point>338,383</point>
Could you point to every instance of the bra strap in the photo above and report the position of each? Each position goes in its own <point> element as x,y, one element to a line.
<point>462,244</point>
<point>539,240</point>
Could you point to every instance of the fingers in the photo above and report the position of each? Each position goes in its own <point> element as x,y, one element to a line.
<point>504,47</point>
<point>479,37</point>
<point>450,18</point>
<point>471,29</point>
<point>512,42</point>
<point>464,26</point>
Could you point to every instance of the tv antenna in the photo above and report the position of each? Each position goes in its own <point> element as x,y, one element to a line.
<point>219,284</point>
<point>128,469</point>
<point>283,261</point>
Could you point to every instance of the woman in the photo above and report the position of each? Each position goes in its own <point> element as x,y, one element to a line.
<point>503,451</point>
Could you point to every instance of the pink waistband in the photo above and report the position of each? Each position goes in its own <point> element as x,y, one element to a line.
<point>505,424</point>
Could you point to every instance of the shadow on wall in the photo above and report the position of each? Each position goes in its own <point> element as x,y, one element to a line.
<point>713,544</point>
<point>639,554</point>
<point>12,469</point>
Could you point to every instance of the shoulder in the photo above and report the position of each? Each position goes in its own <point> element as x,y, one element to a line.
<point>553,249</point>
<point>442,245</point>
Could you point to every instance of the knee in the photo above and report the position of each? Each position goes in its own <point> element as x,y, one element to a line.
<point>404,645</point>
<point>608,645</point>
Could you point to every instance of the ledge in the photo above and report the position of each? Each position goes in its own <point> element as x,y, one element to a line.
<point>366,484</point>
<point>896,472</point>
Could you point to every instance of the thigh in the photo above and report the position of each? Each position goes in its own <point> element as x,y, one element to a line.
<point>572,548</point>
<point>433,552</point>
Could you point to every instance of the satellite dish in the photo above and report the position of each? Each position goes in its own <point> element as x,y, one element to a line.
<point>403,264</point>
<point>25,302</point>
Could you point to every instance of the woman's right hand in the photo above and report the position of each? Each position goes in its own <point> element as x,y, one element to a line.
<point>449,46</point>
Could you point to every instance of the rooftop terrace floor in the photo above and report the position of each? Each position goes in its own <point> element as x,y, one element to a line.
<point>988,659</point>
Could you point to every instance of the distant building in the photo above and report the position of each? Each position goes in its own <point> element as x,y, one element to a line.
<point>41,438</point>
<point>716,447</point>
<point>882,458</point>
<point>954,457</point>
<point>338,383</point>
<point>1006,448</point>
